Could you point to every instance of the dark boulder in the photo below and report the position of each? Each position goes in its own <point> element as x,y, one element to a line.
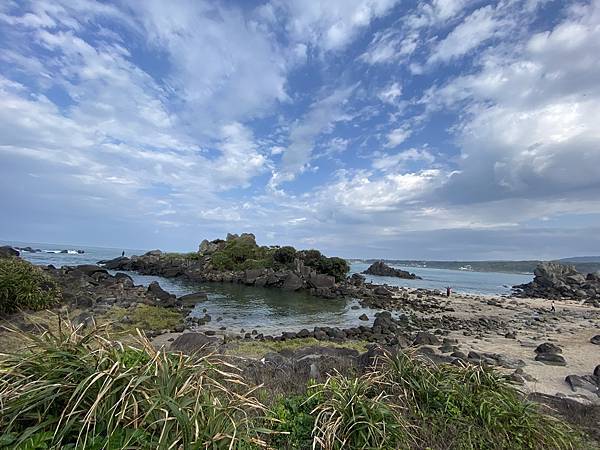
<point>161,295</point>
<point>548,347</point>
<point>194,343</point>
<point>89,269</point>
<point>578,382</point>
<point>552,359</point>
<point>7,251</point>
<point>425,338</point>
<point>115,264</point>
<point>595,340</point>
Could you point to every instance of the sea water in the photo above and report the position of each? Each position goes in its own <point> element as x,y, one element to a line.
<point>270,311</point>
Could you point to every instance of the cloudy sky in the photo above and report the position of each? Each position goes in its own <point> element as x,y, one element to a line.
<point>443,129</point>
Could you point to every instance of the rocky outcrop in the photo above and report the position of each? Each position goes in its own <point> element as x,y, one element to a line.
<point>200,267</point>
<point>381,269</point>
<point>92,288</point>
<point>558,281</point>
<point>7,251</point>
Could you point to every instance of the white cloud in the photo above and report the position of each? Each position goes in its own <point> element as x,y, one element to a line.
<point>396,161</point>
<point>477,28</point>
<point>321,118</point>
<point>390,46</point>
<point>398,135</point>
<point>530,122</point>
<point>331,24</point>
<point>391,93</point>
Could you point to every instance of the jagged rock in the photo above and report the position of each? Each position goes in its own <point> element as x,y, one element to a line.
<point>555,281</point>
<point>160,294</point>
<point>380,268</point>
<point>595,339</point>
<point>292,282</point>
<point>363,317</point>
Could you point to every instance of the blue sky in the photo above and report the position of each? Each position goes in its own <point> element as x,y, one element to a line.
<point>456,129</point>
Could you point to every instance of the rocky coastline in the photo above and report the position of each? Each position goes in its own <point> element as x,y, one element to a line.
<point>519,336</point>
<point>558,281</point>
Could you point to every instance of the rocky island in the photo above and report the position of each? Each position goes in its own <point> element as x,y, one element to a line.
<point>381,269</point>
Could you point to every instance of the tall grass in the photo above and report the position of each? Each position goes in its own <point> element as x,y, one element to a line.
<point>469,407</point>
<point>77,389</point>
<point>25,286</point>
<point>354,413</point>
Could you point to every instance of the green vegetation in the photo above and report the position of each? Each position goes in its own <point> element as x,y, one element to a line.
<point>191,256</point>
<point>241,254</point>
<point>143,317</point>
<point>259,348</point>
<point>75,389</point>
<point>25,286</point>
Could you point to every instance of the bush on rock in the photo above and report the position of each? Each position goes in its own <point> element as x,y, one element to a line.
<point>25,286</point>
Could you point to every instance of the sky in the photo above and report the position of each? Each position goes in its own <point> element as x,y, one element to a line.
<point>443,129</point>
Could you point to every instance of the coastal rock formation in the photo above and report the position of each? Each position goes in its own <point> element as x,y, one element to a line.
<point>381,269</point>
<point>558,281</point>
<point>7,251</point>
<point>238,259</point>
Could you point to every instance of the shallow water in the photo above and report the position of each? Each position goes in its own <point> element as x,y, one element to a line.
<point>271,310</point>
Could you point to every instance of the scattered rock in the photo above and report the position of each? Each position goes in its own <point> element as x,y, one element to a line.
<point>552,359</point>
<point>190,343</point>
<point>363,317</point>
<point>595,340</point>
<point>425,338</point>
<point>548,347</point>
<point>578,382</point>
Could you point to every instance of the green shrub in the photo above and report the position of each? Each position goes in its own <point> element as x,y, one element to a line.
<point>292,421</point>
<point>284,255</point>
<point>25,286</point>
<point>470,407</point>
<point>336,267</point>
<point>80,390</point>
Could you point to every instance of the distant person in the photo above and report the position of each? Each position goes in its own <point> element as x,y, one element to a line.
<point>122,253</point>
<point>553,309</point>
<point>448,291</point>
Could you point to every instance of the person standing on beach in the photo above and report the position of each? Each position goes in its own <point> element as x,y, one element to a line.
<point>553,309</point>
<point>122,253</point>
<point>448,291</point>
